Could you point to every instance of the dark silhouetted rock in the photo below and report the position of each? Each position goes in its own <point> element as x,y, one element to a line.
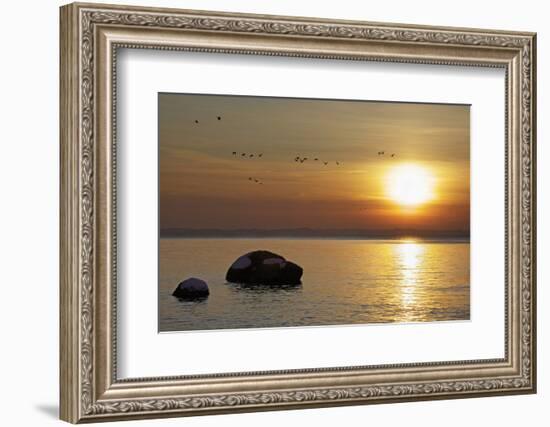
<point>264,268</point>
<point>192,288</point>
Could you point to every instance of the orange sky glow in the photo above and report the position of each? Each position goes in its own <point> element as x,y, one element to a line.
<point>203,185</point>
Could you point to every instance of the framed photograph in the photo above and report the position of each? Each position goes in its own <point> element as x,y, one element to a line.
<point>266,212</point>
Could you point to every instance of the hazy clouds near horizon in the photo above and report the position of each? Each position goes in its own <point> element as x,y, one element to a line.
<point>203,185</point>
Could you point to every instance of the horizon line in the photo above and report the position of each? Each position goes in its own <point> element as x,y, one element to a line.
<point>308,232</point>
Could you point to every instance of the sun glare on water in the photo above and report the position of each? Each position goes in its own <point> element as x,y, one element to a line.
<point>410,185</point>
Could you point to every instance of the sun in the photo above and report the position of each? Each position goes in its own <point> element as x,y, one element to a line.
<point>410,185</point>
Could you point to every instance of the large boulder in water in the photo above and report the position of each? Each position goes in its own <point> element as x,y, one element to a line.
<point>192,288</point>
<point>264,268</point>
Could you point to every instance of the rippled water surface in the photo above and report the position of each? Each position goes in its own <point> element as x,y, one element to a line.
<point>344,282</point>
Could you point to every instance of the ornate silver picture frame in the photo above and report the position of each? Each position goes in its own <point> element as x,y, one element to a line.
<point>91,35</point>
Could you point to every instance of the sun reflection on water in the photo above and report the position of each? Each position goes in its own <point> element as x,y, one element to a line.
<point>410,257</point>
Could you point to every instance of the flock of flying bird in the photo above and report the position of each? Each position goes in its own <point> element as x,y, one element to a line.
<point>316,159</point>
<point>297,159</point>
<point>197,122</point>
<point>248,155</point>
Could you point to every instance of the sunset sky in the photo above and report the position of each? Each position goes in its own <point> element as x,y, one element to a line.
<point>425,186</point>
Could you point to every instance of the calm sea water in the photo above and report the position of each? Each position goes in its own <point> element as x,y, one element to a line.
<point>344,282</point>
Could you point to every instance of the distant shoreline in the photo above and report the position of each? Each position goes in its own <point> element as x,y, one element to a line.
<point>426,235</point>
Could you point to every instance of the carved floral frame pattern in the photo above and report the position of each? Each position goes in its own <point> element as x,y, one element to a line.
<point>78,400</point>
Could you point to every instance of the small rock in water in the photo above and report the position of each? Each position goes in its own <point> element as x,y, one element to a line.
<point>264,268</point>
<point>191,289</point>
